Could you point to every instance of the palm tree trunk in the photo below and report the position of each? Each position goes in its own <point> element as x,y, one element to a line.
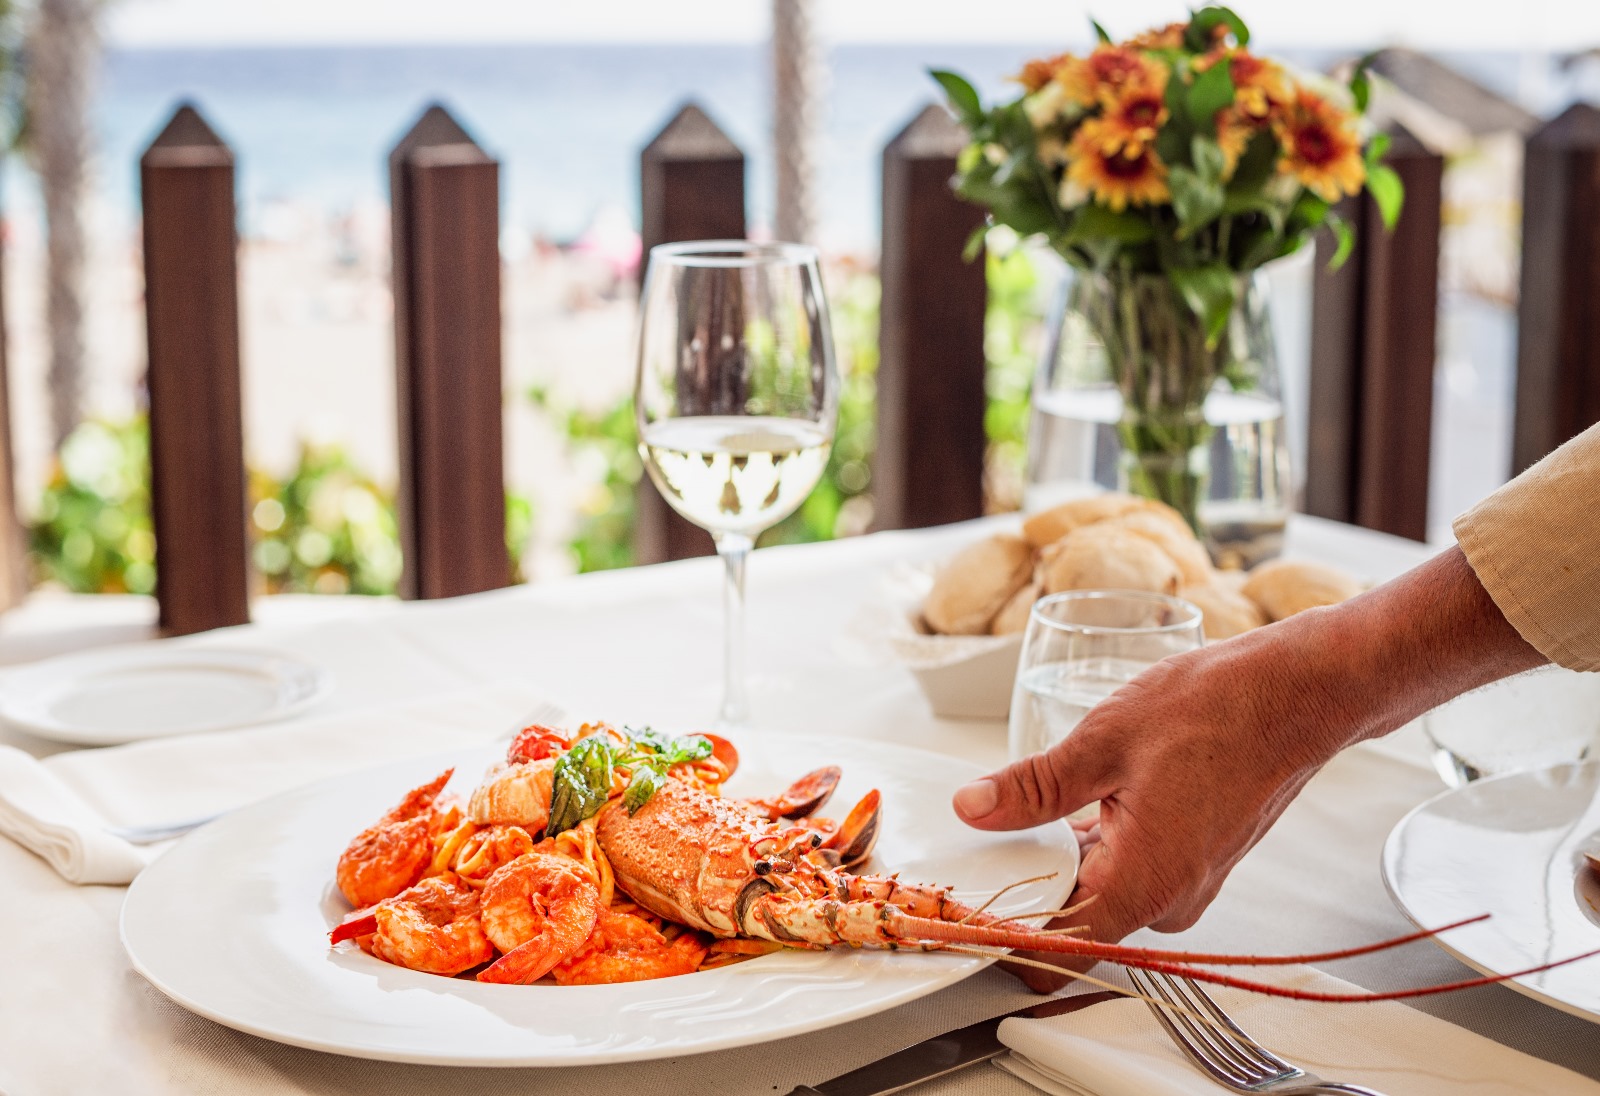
<point>62,47</point>
<point>797,89</point>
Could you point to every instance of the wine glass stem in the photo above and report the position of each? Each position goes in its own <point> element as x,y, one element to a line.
<point>734,549</point>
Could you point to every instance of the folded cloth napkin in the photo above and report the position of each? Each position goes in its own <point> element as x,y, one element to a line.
<point>59,807</point>
<point>1118,1049</point>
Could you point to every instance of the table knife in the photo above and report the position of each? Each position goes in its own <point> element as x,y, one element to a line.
<point>945,1053</point>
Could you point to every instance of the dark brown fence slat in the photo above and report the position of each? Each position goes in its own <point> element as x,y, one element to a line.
<point>928,468</point>
<point>197,478</point>
<point>445,199</point>
<point>1558,311</point>
<point>1372,359</point>
<point>691,187</point>
<point>1400,304</point>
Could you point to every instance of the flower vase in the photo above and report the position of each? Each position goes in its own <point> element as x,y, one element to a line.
<point>1133,395</point>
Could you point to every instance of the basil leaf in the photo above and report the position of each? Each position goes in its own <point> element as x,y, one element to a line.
<point>693,748</point>
<point>580,784</point>
<point>645,783</point>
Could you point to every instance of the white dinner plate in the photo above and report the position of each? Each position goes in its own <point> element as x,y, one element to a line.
<point>124,694</point>
<point>232,923</point>
<point>1512,847</point>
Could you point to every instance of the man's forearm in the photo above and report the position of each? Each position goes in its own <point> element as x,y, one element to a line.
<point>1380,660</point>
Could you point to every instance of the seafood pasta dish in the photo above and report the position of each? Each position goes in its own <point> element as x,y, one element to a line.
<point>606,855</point>
<point>518,883</point>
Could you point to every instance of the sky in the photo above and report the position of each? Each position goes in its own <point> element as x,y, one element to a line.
<point>1437,24</point>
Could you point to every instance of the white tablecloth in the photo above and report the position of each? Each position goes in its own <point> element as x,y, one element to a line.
<point>645,646</point>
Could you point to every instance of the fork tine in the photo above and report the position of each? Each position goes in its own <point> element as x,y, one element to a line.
<point>1218,1042</point>
<point>1203,1001</point>
<point>1223,1073</point>
<point>1223,1035</point>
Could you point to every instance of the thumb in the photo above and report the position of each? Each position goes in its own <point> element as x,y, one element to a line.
<point>1038,789</point>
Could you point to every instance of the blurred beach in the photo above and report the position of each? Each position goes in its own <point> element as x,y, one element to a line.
<point>311,128</point>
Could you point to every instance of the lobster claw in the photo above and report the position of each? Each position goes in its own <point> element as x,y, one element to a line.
<point>852,842</point>
<point>804,797</point>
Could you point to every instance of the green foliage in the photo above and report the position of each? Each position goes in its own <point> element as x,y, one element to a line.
<point>605,444</point>
<point>92,530</point>
<point>327,528</point>
<point>1010,335</point>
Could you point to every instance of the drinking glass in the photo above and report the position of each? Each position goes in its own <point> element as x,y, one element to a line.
<point>1531,721</point>
<point>1084,645</point>
<point>736,398</point>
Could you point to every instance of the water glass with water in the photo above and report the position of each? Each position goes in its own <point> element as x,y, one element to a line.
<point>1531,721</point>
<point>1084,645</point>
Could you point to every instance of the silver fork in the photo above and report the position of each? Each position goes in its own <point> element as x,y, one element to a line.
<point>150,835</point>
<point>1221,1048</point>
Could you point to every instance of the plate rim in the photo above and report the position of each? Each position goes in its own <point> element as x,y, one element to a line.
<point>821,1020</point>
<point>146,657</point>
<point>1389,853</point>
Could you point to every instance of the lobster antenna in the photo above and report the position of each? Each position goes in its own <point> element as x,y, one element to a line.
<point>995,897</point>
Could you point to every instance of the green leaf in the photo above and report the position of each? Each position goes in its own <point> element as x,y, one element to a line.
<point>1207,157</point>
<point>1196,201</point>
<point>1388,191</point>
<point>1234,204</point>
<point>1198,35</point>
<point>1346,240</point>
<point>1361,83</point>
<point>962,95</point>
<point>580,783</point>
<point>1100,33</point>
<point>645,783</point>
<point>1096,222</point>
<point>1211,91</point>
<point>1257,164</point>
<point>1377,147</point>
<point>1209,292</point>
<point>974,243</point>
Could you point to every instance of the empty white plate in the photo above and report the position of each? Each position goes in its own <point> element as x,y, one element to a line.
<point>123,694</point>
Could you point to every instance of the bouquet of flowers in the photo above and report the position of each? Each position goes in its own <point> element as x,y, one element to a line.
<point>1169,167</point>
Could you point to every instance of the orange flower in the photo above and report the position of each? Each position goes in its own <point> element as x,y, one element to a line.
<point>1102,75</point>
<point>1135,115</point>
<point>1320,147</point>
<point>1037,73</point>
<point>1259,86</point>
<point>1104,165</point>
<point>1167,37</point>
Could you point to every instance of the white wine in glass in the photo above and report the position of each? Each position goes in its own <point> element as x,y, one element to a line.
<point>736,399</point>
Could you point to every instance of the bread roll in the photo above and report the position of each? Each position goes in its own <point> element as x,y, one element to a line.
<point>1105,557</point>
<point>1013,616</point>
<point>1049,526</point>
<point>1172,537</point>
<point>973,586</point>
<point>1224,612</point>
<point>1285,587</point>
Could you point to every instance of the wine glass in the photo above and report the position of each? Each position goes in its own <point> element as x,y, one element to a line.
<point>1084,645</point>
<point>736,398</point>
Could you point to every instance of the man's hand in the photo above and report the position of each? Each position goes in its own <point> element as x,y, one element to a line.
<point>1194,759</point>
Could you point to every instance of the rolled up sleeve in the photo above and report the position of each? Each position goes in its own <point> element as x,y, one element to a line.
<point>1535,546</point>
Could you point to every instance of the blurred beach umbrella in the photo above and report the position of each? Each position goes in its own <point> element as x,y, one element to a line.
<point>798,77</point>
<point>62,50</point>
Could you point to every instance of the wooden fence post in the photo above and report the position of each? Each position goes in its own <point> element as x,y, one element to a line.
<point>197,477</point>
<point>928,468</point>
<point>13,548</point>
<point>1373,349</point>
<point>691,187</point>
<point>445,203</point>
<point>1558,309</point>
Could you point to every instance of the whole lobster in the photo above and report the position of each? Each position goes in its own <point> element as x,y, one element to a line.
<point>729,868</point>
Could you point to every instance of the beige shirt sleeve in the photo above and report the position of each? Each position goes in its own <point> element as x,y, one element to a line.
<point>1535,546</point>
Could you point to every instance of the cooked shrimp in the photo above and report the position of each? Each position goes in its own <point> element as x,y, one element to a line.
<point>515,794</point>
<point>434,927</point>
<point>627,948</point>
<point>538,910</point>
<point>395,852</point>
<point>488,850</point>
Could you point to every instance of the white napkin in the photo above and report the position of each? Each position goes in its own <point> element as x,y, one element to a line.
<point>1117,1048</point>
<point>59,807</point>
